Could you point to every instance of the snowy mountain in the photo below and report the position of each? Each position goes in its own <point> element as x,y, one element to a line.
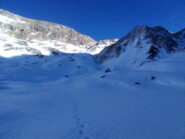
<point>20,35</point>
<point>144,44</point>
<point>28,29</point>
<point>56,83</point>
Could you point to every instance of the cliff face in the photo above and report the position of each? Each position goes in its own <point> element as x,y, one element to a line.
<point>28,29</point>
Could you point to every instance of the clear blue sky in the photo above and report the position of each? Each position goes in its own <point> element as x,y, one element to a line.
<point>103,19</point>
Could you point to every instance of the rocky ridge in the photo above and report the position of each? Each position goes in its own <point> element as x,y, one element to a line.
<point>152,42</point>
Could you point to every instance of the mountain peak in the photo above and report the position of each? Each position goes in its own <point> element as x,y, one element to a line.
<point>143,44</point>
<point>138,30</point>
<point>148,30</point>
<point>141,28</point>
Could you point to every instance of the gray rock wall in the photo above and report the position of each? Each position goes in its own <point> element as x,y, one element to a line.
<point>29,29</point>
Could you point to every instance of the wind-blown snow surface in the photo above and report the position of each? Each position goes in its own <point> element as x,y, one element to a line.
<point>74,98</point>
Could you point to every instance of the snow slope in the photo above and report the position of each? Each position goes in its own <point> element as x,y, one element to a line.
<point>90,103</point>
<point>56,90</point>
<point>143,44</point>
<point>11,47</point>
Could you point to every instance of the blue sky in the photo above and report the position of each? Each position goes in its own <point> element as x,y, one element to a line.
<point>103,19</point>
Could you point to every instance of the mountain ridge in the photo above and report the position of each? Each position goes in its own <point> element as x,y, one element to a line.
<point>30,29</point>
<point>141,45</point>
<point>155,40</point>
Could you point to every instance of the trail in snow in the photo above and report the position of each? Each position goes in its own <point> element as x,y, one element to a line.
<point>97,109</point>
<point>81,127</point>
<point>85,106</point>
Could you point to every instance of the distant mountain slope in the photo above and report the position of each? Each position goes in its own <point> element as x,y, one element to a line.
<point>28,29</point>
<point>24,36</point>
<point>144,44</point>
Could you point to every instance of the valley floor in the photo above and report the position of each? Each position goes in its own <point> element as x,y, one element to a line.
<point>90,107</point>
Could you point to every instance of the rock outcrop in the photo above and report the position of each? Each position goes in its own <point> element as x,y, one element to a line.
<point>28,29</point>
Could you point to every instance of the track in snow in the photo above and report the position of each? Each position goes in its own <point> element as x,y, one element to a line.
<point>81,127</point>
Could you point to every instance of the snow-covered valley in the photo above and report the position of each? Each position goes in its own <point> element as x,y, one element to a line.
<point>68,92</point>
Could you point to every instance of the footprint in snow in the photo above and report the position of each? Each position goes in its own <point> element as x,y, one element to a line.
<point>81,127</point>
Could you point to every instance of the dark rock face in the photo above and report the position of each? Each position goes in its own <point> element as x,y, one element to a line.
<point>162,38</point>
<point>153,52</point>
<point>112,51</point>
<point>28,29</point>
<point>157,38</point>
